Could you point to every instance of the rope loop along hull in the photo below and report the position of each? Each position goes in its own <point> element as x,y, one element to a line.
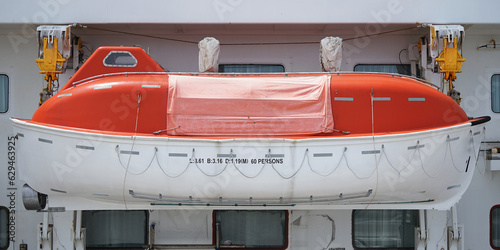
<point>85,170</point>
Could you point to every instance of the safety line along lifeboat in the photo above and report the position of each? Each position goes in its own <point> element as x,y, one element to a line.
<point>122,133</point>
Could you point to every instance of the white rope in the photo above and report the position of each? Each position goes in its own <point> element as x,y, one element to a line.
<point>479,151</point>
<point>201,170</point>
<point>306,158</point>
<point>448,146</point>
<point>126,168</point>
<point>472,147</point>
<point>291,176</point>
<point>171,176</point>
<point>331,172</point>
<point>423,168</point>
<point>247,176</point>
<point>374,155</point>
<point>357,176</point>
<point>164,130</point>
<point>336,130</point>
<point>132,149</point>
<point>241,172</point>
<point>392,166</point>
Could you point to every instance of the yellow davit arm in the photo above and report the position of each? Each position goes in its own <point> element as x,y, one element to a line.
<point>450,61</point>
<point>444,52</point>
<point>50,64</point>
<point>54,48</point>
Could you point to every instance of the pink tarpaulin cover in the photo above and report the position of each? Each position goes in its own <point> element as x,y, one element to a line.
<point>203,105</point>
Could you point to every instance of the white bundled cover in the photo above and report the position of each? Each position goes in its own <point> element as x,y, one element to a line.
<point>330,53</point>
<point>209,50</point>
<point>227,106</point>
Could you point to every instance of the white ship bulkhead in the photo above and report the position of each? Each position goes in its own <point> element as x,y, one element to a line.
<point>377,36</point>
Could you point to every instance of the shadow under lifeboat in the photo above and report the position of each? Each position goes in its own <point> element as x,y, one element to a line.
<point>123,133</point>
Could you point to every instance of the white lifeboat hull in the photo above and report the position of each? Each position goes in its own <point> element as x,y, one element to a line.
<point>418,170</point>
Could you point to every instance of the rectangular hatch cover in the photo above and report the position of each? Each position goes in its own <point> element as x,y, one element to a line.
<point>234,106</point>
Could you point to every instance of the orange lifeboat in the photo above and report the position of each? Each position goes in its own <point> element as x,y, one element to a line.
<point>122,133</point>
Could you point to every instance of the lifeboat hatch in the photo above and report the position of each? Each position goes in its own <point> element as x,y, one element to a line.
<point>294,105</point>
<point>112,60</point>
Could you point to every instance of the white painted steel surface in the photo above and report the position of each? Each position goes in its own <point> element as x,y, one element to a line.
<point>420,170</point>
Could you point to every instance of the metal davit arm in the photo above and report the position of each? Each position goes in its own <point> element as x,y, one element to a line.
<point>54,45</point>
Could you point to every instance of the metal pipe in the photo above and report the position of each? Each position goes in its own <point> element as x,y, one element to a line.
<point>423,226</point>
<point>454,222</point>
<point>217,235</point>
<point>152,236</point>
<point>78,225</point>
<point>45,226</point>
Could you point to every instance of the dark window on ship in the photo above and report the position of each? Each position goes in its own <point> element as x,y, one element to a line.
<point>495,93</point>
<point>384,229</point>
<point>495,227</point>
<point>402,69</point>
<point>251,229</point>
<point>4,228</point>
<point>116,229</point>
<point>4,93</point>
<point>251,68</point>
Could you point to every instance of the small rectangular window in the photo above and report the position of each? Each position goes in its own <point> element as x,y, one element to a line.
<point>495,93</point>
<point>116,229</point>
<point>4,93</point>
<point>120,59</point>
<point>252,229</point>
<point>402,69</point>
<point>382,229</point>
<point>251,68</point>
<point>495,227</point>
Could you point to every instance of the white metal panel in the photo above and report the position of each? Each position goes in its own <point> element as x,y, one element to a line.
<point>248,11</point>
